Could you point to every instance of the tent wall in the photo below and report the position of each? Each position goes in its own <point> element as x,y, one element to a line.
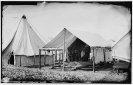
<point>122,49</point>
<point>99,55</point>
<point>6,52</point>
<point>31,61</point>
<point>102,54</point>
<point>49,60</point>
<point>45,59</point>
<point>79,51</point>
<point>25,61</point>
<point>108,55</point>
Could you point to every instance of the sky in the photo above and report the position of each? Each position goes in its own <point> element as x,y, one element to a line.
<point>110,21</point>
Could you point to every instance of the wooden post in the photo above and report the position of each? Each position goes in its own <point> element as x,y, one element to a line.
<point>40,58</point>
<point>34,59</point>
<point>54,58</point>
<point>44,57</point>
<point>55,55</point>
<point>93,61</point>
<point>104,58</point>
<point>64,48</point>
<point>20,60</point>
<point>62,59</point>
<point>59,57</point>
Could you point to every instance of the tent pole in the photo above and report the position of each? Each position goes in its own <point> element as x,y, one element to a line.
<point>54,57</point>
<point>59,56</point>
<point>93,61</point>
<point>44,58</point>
<point>64,48</point>
<point>34,59</point>
<point>40,58</point>
<point>104,58</point>
<point>62,57</point>
<point>20,60</point>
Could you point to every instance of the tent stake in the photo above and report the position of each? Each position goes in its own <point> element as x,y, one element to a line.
<point>40,58</point>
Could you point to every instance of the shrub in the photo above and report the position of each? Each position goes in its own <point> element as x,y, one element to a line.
<point>32,74</point>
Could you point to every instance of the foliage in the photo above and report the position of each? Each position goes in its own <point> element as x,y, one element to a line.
<point>33,74</point>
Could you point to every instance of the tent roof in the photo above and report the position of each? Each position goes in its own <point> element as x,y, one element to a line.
<point>25,40</point>
<point>122,48</point>
<point>92,39</point>
<point>128,33</point>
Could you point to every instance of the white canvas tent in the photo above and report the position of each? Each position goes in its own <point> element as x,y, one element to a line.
<point>23,42</point>
<point>91,39</point>
<point>122,48</point>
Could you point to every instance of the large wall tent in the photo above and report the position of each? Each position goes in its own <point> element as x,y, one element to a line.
<point>22,46</point>
<point>79,45</point>
<point>122,48</point>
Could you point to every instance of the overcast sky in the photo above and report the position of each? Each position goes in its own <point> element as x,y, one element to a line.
<point>111,22</point>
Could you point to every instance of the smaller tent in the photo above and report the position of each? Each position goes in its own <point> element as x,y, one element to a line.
<point>122,48</point>
<point>24,43</point>
<point>79,44</point>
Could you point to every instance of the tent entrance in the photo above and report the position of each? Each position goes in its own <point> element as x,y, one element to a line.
<point>11,59</point>
<point>79,51</point>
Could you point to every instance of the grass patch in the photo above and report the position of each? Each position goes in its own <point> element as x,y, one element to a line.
<point>44,75</point>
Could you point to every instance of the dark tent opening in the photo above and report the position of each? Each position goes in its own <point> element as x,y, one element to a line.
<point>11,60</point>
<point>79,51</point>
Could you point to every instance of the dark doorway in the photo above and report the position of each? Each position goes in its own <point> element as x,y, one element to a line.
<point>11,60</point>
<point>79,51</point>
